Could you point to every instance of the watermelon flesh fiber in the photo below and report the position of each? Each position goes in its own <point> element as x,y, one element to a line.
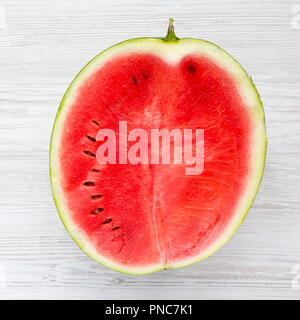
<point>155,215</point>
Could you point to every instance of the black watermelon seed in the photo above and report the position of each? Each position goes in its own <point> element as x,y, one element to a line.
<point>192,69</point>
<point>89,153</point>
<point>95,122</point>
<point>98,210</point>
<point>97,196</point>
<point>107,221</point>
<point>88,183</point>
<point>91,138</point>
<point>135,80</point>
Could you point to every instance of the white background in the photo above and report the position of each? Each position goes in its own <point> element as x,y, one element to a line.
<point>44,45</point>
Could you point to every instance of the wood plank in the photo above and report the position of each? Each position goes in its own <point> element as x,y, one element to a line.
<point>43,47</point>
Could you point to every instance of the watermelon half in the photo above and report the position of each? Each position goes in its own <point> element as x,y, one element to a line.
<point>140,218</point>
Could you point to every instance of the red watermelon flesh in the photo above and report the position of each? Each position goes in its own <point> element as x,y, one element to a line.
<point>140,216</point>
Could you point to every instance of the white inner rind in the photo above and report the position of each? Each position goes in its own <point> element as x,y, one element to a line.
<point>170,52</point>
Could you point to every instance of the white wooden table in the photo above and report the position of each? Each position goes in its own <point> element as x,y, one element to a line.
<point>43,44</point>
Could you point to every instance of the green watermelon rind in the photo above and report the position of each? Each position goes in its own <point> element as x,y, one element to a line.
<point>55,185</point>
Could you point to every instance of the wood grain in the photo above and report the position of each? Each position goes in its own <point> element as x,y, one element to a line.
<point>43,47</point>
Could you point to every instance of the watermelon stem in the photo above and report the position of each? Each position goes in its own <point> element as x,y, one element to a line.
<point>171,33</point>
